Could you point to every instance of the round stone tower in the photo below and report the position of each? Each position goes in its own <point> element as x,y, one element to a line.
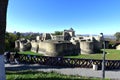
<point>86,47</point>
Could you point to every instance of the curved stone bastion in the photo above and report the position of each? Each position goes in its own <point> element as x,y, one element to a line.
<point>86,47</point>
<point>55,48</point>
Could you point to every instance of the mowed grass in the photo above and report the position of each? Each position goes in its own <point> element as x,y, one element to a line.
<point>37,75</point>
<point>86,56</point>
<point>30,53</point>
<point>111,54</point>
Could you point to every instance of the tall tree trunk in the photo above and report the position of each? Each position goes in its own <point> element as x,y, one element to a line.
<point>3,13</point>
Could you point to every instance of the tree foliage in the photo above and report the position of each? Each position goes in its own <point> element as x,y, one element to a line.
<point>57,33</point>
<point>117,35</point>
<point>31,36</point>
<point>19,35</point>
<point>10,39</point>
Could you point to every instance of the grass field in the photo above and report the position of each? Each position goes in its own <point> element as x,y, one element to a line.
<point>112,54</point>
<point>31,53</point>
<point>35,75</point>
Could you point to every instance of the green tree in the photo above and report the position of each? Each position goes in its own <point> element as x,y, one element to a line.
<point>31,36</point>
<point>7,45</point>
<point>117,35</point>
<point>18,35</point>
<point>58,33</point>
<point>10,39</point>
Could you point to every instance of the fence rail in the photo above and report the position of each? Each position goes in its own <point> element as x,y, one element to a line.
<point>68,62</point>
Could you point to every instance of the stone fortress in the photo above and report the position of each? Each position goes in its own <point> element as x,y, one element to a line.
<point>61,45</point>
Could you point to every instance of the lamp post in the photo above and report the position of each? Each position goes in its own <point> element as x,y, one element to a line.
<point>103,56</point>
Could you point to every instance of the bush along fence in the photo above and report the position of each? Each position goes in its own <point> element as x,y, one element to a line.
<point>68,62</point>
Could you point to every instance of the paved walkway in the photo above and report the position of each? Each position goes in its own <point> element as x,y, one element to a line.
<point>112,74</point>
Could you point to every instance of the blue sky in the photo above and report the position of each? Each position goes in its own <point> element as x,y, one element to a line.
<point>84,16</point>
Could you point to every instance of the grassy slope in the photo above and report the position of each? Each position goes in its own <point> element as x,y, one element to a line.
<point>35,75</point>
<point>112,54</point>
<point>87,56</point>
<point>31,53</point>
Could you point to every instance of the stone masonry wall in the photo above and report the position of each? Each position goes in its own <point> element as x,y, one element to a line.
<point>52,48</point>
<point>86,47</point>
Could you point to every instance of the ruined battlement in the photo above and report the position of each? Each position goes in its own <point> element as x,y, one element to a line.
<point>66,44</point>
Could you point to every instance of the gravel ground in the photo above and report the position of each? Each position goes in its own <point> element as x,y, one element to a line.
<point>89,72</point>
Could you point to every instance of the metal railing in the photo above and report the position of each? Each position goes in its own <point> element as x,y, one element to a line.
<point>68,62</point>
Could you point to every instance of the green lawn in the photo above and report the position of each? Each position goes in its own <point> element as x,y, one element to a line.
<point>35,75</point>
<point>86,56</point>
<point>112,54</point>
<point>31,53</point>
